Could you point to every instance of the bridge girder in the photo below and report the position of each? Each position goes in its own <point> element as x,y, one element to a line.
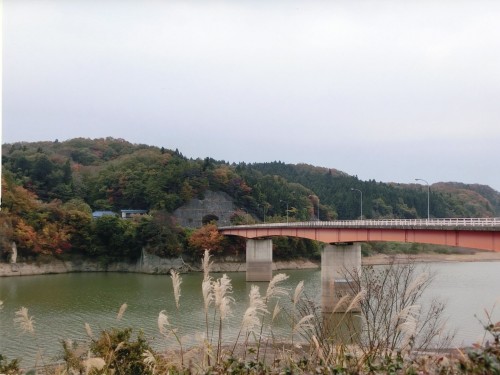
<point>477,239</point>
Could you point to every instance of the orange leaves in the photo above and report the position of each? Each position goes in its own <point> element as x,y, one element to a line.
<point>52,238</point>
<point>207,237</point>
<point>37,227</point>
<point>26,236</point>
<point>16,198</point>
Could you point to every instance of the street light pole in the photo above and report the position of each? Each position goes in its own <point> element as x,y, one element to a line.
<point>428,197</point>
<point>286,209</point>
<point>361,194</point>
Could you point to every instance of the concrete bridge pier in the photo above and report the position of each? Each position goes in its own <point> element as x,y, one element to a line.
<point>338,263</point>
<point>259,260</point>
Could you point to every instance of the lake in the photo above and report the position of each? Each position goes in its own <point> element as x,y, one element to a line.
<point>62,304</point>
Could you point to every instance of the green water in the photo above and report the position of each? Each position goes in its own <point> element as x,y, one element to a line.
<point>62,304</point>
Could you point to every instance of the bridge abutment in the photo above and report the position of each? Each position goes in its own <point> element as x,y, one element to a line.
<point>259,260</point>
<point>339,263</point>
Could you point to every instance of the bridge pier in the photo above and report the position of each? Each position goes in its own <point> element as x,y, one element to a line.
<point>259,260</point>
<point>338,262</point>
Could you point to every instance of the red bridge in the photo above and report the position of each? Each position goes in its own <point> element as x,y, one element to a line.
<point>482,234</point>
<point>343,251</point>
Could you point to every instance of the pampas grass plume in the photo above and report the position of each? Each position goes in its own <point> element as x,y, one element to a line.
<point>24,320</point>
<point>250,320</point>
<point>276,311</point>
<point>256,300</point>
<point>176,282</point>
<point>257,306</point>
<point>341,303</point>
<point>90,334</point>
<point>121,311</point>
<point>273,289</point>
<point>411,310</point>
<point>163,322</point>
<point>208,293</point>
<point>206,265</point>
<point>416,284</point>
<point>222,288</point>
<point>356,300</point>
<point>299,289</point>
<point>303,323</point>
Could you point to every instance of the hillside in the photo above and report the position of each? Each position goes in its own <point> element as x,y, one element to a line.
<point>50,190</point>
<point>381,200</point>
<point>113,173</point>
<point>483,197</point>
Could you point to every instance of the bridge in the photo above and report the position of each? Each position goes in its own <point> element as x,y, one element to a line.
<point>343,238</point>
<point>477,233</point>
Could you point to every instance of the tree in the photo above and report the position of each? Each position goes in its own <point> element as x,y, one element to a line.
<point>114,238</point>
<point>6,235</point>
<point>78,220</point>
<point>158,234</point>
<point>207,237</point>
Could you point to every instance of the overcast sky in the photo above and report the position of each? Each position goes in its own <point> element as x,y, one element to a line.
<point>385,90</point>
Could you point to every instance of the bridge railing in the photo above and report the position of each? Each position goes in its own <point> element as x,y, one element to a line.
<point>399,223</point>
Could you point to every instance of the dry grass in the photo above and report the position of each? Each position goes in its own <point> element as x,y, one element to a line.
<point>394,336</point>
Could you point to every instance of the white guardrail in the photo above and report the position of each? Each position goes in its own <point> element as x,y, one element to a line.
<point>405,223</point>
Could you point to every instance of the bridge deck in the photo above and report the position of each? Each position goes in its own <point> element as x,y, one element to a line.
<point>473,233</point>
<point>439,224</point>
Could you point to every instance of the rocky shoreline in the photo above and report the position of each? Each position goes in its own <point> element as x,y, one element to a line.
<point>151,264</point>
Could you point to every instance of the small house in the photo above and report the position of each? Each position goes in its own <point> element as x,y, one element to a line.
<point>127,214</point>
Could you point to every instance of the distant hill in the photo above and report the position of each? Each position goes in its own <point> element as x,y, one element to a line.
<point>49,190</point>
<point>111,173</point>
<point>486,198</point>
<point>387,200</point>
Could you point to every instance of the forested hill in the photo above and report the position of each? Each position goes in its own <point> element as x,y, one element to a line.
<point>51,188</point>
<point>112,174</point>
<point>388,200</point>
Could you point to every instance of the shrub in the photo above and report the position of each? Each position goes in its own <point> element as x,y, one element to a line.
<point>9,367</point>
<point>484,358</point>
<point>120,353</point>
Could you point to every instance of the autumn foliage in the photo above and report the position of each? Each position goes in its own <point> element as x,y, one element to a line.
<point>50,189</point>
<point>207,237</point>
<point>36,227</point>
